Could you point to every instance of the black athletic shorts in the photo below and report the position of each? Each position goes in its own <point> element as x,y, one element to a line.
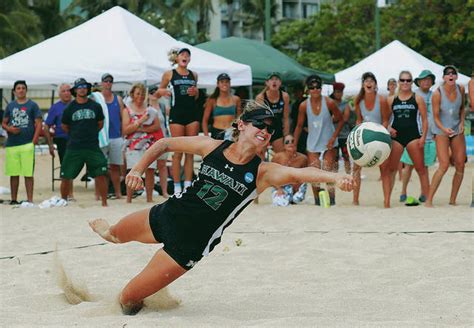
<point>183,116</point>
<point>164,231</point>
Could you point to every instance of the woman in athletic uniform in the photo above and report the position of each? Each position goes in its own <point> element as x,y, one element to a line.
<point>184,115</point>
<point>191,224</point>
<point>279,103</point>
<point>448,114</point>
<point>141,128</point>
<point>322,135</point>
<point>222,106</point>
<point>345,109</point>
<point>406,107</point>
<point>369,106</point>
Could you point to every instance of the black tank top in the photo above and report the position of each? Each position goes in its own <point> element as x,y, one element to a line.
<point>220,193</point>
<point>277,109</point>
<point>180,84</point>
<point>405,114</point>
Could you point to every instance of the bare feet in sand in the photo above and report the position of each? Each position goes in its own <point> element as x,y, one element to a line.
<point>102,228</point>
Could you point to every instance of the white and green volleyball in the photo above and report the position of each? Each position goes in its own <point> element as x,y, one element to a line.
<point>369,144</point>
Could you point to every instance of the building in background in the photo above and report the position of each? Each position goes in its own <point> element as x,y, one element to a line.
<point>230,19</point>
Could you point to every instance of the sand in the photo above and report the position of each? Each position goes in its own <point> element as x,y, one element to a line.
<point>301,266</point>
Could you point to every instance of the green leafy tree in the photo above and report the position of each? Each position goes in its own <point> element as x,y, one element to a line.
<point>344,33</point>
<point>19,27</point>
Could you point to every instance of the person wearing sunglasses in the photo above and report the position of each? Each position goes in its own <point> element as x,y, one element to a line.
<point>223,107</point>
<point>290,193</point>
<point>424,82</point>
<point>82,119</point>
<point>279,103</point>
<point>369,106</point>
<point>191,224</point>
<point>407,107</point>
<point>322,135</point>
<point>448,113</point>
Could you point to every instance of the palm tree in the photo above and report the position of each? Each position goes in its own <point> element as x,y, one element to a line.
<point>19,27</point>
<point>253,12</point>
<point>202,8</point>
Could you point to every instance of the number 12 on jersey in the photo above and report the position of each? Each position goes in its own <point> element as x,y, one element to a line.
<point>213,195</point>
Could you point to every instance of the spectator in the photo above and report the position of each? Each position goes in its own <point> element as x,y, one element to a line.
<point>184,115</point>
<point>279,102</point>
<point>162,108</point>
<point>322,135</point>
<point>298,97</point>
<point>53,124</point>
<point>424,82</point>
<point>82,119</point>
<point>391,86</point>
<point>290,193</point>
<point>345,109</point>
<point>448,113</point>
<point>114,150</point>
<point>141,128</point>
<point>22,121</point>
<point>223,107</point>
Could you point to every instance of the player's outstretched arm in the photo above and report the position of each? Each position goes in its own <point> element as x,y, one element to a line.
<point>272,174</point>
<point>192,145</point>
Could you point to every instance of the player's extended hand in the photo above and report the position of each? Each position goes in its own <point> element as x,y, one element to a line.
<point>134,180</point>
<point>345,182</point>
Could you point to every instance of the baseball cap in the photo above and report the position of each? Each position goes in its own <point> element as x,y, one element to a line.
<point>183,50</point>
<point>339,86</point>
<point>273,74</point>
<point>106,76</point>
<point>153,89</point>
<point>223,76</point>
<point>368,75</point>
<point>448,68</point>
<point>314,79</point>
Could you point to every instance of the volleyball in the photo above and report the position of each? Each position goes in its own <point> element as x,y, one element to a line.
<point>369,144</point>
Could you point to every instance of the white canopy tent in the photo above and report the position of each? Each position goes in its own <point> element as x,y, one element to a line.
<point>116,42</point>
<point>387,63</point>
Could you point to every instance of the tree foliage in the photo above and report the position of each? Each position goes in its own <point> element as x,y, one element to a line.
<point>341,35</point>
<point>19,27</point>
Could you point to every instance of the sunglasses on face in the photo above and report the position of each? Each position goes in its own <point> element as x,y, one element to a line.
<point>262,125</point>
<point>82,86</point>
<point>289,141</point>
<point>108,81</point>
<point>314,87</point>
<point>451,73</point>
<point>405,80</point>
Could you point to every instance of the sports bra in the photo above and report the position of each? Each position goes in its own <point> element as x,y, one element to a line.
<point>221,110</point>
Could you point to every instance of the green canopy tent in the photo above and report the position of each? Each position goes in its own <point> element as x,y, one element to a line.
<point>263,59</point>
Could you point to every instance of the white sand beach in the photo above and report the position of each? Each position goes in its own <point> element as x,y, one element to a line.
<point>299,266</point>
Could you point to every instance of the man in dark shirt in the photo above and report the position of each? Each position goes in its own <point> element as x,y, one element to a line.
<point>82,119</point>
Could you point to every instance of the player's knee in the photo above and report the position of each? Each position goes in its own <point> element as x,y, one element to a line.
<point>443,167</point>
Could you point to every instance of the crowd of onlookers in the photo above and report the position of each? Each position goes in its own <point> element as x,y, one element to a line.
<point>92,126</point>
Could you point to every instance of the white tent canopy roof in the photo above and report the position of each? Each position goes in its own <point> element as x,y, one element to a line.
<point>116,42</point>
<point>387,63</point>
